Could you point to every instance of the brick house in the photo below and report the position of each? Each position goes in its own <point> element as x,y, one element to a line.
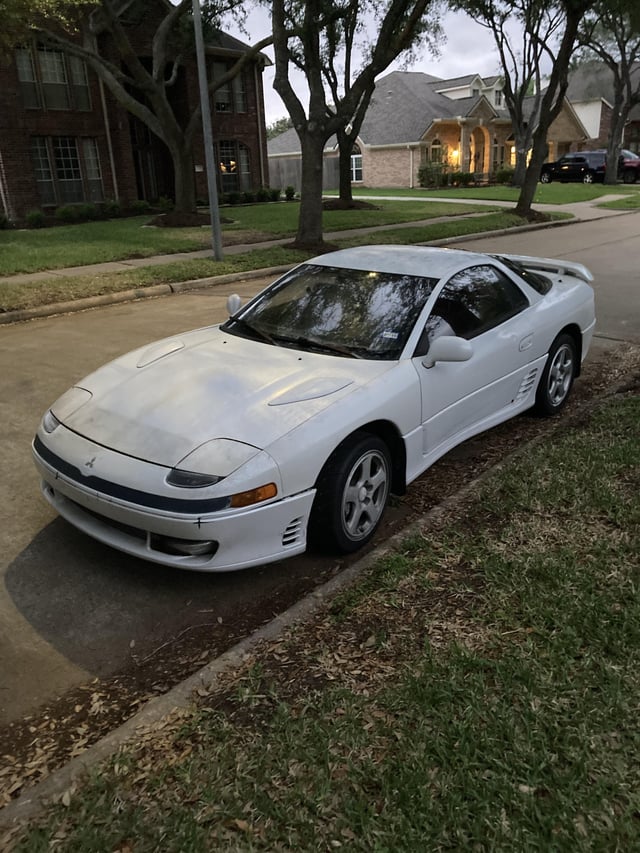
<point>591,94</point>
<point>64,139</point>
<point>416,118</point>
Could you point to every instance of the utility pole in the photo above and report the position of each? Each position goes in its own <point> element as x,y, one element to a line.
<point>203,84</point>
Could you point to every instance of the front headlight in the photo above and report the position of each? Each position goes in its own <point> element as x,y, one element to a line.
<point>190,479</point>
<point>210,462</point>
<point>50,422</point>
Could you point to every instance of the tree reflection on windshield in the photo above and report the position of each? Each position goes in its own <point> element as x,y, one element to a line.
<point>369,314</point>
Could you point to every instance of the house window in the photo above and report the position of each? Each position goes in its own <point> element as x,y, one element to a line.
<point>93,173</point>
<point>436,151</point>
<point>27,78</point>
<point>356,164</point>
<point>67,170</point>
<point>50,80</point>
<point>231,97</point>
<point>498,97</point>
<point>235,173</point>
<point>498,154</point>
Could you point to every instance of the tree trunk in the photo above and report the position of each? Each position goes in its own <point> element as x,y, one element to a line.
<point>521,168</point>
<point>185,187</point>
<point>310,221</point>
<point>531,178</point>
<point>618,121</point>
<point>345,146</point>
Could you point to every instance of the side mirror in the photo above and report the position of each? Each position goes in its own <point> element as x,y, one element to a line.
<point>234,304</point>
<point>448,348</point>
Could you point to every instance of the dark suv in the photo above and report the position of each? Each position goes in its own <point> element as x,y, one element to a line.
<point>589,167</point>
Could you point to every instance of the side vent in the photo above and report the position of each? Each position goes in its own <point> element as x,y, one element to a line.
<point>527,385</point>
<point>292,533</point>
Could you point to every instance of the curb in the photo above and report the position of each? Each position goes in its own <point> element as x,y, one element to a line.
<point>158,290</point>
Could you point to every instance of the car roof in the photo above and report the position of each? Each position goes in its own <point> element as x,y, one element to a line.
<point>425,261</point>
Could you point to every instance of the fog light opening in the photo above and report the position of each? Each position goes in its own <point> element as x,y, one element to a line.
<point>184,547</point>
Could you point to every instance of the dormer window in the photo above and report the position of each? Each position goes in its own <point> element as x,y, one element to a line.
<point>497,97</point>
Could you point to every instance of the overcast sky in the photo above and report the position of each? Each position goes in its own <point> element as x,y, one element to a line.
<point>468,49</point>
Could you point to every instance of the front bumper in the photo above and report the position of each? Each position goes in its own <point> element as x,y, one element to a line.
<point>230,539</point>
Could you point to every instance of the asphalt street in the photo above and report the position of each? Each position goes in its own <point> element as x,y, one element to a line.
<point>70,608</point>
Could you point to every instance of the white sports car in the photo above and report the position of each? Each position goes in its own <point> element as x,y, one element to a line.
<point>236,444</point>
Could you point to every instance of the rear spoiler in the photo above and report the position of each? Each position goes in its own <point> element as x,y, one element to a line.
<point>559,267</point>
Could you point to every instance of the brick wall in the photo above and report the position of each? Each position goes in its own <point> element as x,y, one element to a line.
<point>19,125</point>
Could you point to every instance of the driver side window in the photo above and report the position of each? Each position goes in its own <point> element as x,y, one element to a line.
<point>472,302</point>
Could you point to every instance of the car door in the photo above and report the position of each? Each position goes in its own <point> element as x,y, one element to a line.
<point>487,308</point>
<point>573,167</point>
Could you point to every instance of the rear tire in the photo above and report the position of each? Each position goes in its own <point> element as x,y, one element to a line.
<point>557,377</point>
<point>588,178</point>
<point>545,178</point>
<point>353,489</point>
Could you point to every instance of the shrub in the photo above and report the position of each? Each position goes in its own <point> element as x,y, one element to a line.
<point>233,198</point>
<point>86,212</point>
<point>462,179</point>
<point>5,222</point>
<point>431,175</point>
<point>111,208</point>
<point>139,205</point>
<point>68,213</point>
<point>274,194</point>
<point>289,193</point>
<point>505,176</point>
<point>248,197</point>
<point>36,219</point>
<point>263,195</point>
<point>165,204</point>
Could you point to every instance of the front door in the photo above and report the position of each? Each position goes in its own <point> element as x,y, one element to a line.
<point>460,399</point>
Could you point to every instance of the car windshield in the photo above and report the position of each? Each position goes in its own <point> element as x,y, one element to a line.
<point>536,280</point>
<point>352,313</point>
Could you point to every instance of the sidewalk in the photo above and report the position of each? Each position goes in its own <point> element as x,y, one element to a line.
<point>581,211</point>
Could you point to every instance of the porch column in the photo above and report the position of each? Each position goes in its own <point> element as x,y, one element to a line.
<point>464,145</point>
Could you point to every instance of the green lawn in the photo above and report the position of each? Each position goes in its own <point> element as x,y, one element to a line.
<point>554,193</point>
<point>478,689</point>
<point>28,251</point>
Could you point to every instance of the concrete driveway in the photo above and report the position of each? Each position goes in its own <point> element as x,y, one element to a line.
<point>70,608</point>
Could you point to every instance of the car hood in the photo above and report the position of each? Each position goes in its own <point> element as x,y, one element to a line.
<point>161,402</point>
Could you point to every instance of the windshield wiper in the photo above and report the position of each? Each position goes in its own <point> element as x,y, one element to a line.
<point>258,334</point>
<point>321,346</point>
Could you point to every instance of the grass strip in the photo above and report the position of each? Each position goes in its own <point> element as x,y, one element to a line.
<point>553,193</point>
<point>476,691</point>
<point>16,296</point>
<point>630,202</point>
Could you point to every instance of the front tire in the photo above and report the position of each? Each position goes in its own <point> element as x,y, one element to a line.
<point>557,377</point>
<point>353,490</point>
<point>629,176</point>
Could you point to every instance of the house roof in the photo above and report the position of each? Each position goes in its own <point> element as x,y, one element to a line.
<point>221,42</point>
<point>593,81</point>
<point>403,107</point>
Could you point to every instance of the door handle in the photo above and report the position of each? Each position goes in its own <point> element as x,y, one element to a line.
<point>526,342</point>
